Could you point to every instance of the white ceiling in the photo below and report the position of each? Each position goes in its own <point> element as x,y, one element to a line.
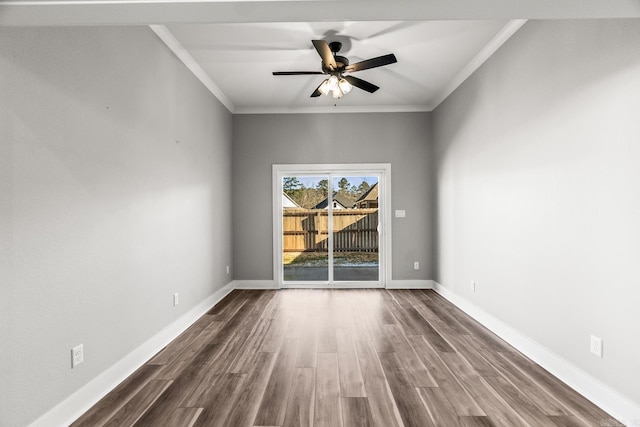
<point>233,46</point>
<point>239,60</point>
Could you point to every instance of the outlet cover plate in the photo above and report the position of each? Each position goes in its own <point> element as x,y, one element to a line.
<point>596,346</point>
<point>77,355</point>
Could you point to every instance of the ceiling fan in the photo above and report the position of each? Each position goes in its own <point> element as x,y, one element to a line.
<point>338,83</point>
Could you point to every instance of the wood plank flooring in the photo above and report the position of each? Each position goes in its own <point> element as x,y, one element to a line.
<point>340,358</point>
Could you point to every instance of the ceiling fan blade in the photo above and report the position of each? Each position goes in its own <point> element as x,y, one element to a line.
<point>296,73</point>
<point>372,63</point>
<point>325,53</point>
<point>362,84</point>
<point>316,93</point>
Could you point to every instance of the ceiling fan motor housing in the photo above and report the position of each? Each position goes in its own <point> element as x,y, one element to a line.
<point>341,63</point>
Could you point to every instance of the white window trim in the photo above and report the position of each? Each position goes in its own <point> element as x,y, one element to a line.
<point>384,206</point>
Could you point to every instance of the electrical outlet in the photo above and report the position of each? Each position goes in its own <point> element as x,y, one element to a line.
<point>416,265</point>
<point>77,355</point>
<point>175,299</point>
<point>228,269</point>
<point>596,346</point>
<point>473,285</point>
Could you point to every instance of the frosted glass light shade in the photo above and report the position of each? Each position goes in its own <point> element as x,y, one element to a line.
<point>324,87</point>
<point>345,86</point>
<point>333,82</point>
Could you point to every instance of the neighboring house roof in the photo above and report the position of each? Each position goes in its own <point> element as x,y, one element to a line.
<point>370,195</point>
<point>288,202</point>
<point>344,202</point>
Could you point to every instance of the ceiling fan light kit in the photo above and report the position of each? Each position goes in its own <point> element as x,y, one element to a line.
<point>337,87</point>
<point>339,83</point>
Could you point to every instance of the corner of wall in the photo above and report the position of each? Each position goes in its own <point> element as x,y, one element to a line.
<point>600,394</point>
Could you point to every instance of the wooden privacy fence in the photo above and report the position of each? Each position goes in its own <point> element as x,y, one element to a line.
<point>307,230</point>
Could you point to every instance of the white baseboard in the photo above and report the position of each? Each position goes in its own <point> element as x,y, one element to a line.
<point>410,284</point>
<point>67,411</point>
<point>255,284</point>
<point>394,284</point>
<point>343,285</point>
<point>612,402</point>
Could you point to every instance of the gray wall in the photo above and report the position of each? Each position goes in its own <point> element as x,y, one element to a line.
<point>397,138</point>
<point>115,168</point>
<point>538,160</point>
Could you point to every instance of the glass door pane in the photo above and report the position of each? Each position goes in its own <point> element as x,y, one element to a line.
<point>355,256</point>
<point>305,225</point>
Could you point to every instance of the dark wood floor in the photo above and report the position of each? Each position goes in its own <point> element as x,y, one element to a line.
<point>340,358</point>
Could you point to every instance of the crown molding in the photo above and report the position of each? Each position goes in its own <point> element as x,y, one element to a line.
<point>494,44</point>
<point>176,47</point>
<point>334,109</point>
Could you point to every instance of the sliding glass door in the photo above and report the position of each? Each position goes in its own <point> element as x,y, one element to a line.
<point>305,248</point>
<point>355,228</point>
<point>329,227</point>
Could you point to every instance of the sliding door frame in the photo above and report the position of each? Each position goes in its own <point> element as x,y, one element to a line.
<point>384,208</point>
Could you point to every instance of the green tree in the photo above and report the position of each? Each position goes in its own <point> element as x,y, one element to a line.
<point>290,184</point>
<point>323,186</point>
<point>293,188</point>
<point>343,185</point>
<point>363,187</point>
